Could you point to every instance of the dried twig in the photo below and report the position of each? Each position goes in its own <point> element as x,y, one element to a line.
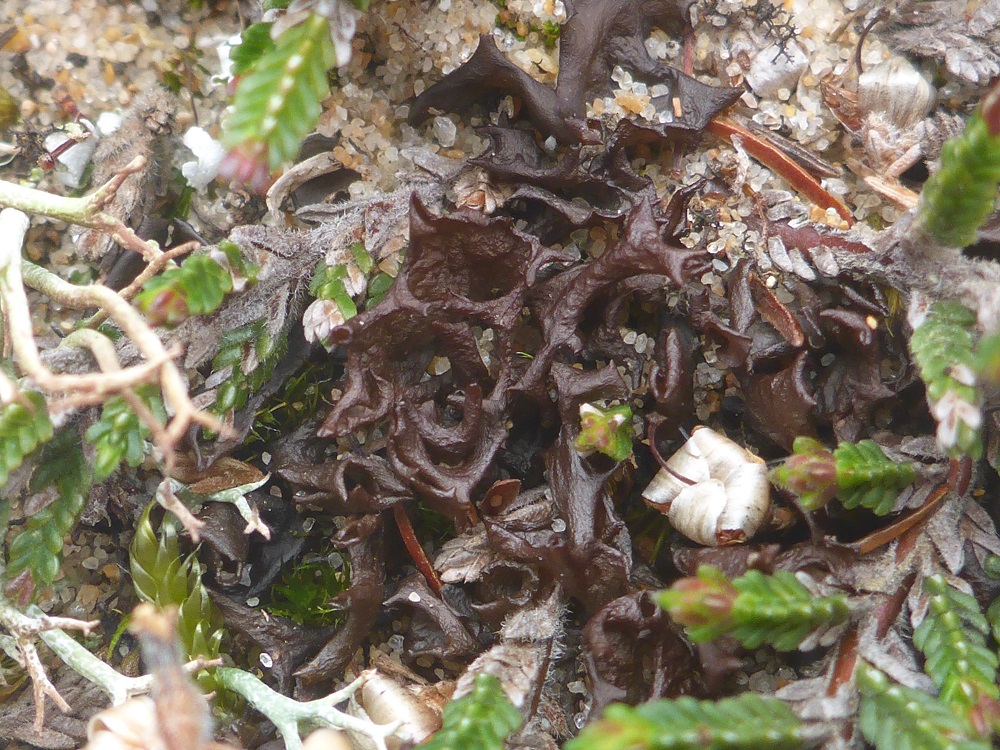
<point>13,225</point>
<point>775,159</point>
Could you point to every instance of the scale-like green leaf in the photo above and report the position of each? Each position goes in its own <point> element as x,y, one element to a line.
<point>959,197</point>
<point>748,721</point>
<point>38,548</point>
<point>196,287</point>
<point>255,42</point>
<point>754,608</point>
<point>943,347</point>
<point>952,638</point>
<point>279,102</point>
<point>858,474</point>
<point>893,717</point>
<point>480,720</point>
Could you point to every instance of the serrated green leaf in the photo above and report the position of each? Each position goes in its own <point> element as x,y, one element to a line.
<point>255,42</point>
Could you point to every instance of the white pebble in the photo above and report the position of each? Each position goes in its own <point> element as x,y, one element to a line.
<point>445,131</point>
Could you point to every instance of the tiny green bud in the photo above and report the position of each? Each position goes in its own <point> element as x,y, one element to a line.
<point>607,431</point>
<point>703,604</point>
<point>810,472</point>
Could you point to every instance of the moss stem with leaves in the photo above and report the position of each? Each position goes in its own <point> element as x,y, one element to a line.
<point>959,197</point>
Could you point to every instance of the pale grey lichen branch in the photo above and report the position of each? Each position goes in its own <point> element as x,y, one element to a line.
<point>23,630</point>
<point>24,627</point>
<point>117,686</point>
<point>288,714</point>
<point>235,495</point>
<point>86,211</point>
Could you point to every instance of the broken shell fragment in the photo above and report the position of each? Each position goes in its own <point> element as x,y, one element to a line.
<point>713,490</point>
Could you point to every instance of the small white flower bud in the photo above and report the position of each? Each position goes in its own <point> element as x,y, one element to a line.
<point>320,319</point>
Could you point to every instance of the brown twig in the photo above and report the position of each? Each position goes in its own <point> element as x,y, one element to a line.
<point>152,268</point>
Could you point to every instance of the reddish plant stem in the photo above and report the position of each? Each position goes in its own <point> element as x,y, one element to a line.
<point>845,662</point>
<point>414,548</point>
<point>888,610</point>
<point>775,159</point>
<point>959,475</point>
<point>894,530</point>
<point>689,42</point>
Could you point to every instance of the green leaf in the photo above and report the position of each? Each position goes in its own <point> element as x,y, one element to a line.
<point>858,474</point>
<point>959,197</point>
<point>161,576</point>
<point>748,721</point>
<point>24,425</point>
<point>328,283</point>
<point>943,349</point>
<point>607,431</point>
<point>755,609</point>
<point>279,102</point>
<point>196,287</point>
<point>952,638</point>
<point>38,548</point>
<point>120,435</point>
<point>255,42</point>
<point>866,477</point>
<point>893,717</point>
<point>480,720</point>
<point>252,352</point>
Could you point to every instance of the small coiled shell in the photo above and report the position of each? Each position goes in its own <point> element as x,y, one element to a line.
<point>726,497</point>
<point>896,89</point>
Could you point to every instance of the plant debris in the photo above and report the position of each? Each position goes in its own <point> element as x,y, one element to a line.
<point>600,374</point>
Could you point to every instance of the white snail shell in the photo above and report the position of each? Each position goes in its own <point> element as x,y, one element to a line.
<point>897,90</point>
<point>729,496</point>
